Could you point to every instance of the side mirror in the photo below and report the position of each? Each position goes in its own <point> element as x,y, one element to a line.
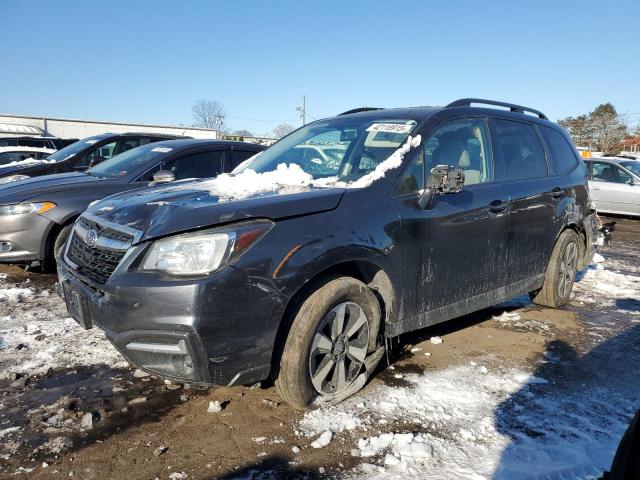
<point>163,176</point>
<point>443,179</point>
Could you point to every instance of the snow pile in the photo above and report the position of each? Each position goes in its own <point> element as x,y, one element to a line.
<point>402,450</point>
<point>237,187</point>
<point>602,286</point>
<point>469,422</point>
<point>12,295</point>
<point>323,440</point>
<point>36,334</point>
<point>507,317</point>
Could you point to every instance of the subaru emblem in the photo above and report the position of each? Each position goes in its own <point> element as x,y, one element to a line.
<point>92,238</point>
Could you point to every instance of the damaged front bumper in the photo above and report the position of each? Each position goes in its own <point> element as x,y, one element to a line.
<point>188,330</point>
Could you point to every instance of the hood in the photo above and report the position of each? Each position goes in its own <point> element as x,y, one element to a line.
<point>22,190</point>
<point>161,211</point>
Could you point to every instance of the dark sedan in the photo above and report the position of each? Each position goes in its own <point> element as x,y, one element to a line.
<point>36,214</point>
<point>81,155</point>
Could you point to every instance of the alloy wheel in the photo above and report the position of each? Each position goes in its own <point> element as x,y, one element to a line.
<point>339,348</point>
<point>567,269</point>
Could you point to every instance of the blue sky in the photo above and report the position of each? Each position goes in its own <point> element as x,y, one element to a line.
<point>148,61</point>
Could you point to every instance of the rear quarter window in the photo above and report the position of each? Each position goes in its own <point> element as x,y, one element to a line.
<point>563,157</point>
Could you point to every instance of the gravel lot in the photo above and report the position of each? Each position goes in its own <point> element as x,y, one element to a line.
<point>511,391</point>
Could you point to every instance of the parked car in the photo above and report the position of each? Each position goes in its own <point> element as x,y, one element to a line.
<point>36,214</point>
<point>53,143</point>
<point>431,213</point>
<point>615,185</point>
<point>11,155</point>
<point>81,155</point>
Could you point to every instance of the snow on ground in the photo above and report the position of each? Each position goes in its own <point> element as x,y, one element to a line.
<point>562,419</point>
<point>36,334</point>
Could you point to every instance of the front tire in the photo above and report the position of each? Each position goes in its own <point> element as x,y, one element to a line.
<point>333,331</point>
<point>561,272</point>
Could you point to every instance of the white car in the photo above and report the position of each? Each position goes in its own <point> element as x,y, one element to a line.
<point>614,184</point>
<point>13,155</point>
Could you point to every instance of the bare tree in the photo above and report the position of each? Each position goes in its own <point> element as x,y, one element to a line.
<point>608,127</point>
<point>282,130</point>
<point>243,133</point>
<point>209,114</point>
<point>602,129</point>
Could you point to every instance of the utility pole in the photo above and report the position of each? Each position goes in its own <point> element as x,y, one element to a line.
<point>303,110</point>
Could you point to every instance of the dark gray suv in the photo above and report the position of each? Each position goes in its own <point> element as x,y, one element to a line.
<point>348,232</point>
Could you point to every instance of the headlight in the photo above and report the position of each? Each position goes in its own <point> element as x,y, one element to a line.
<point>205,251</point>
<point>24,208</point>
<point>13,178</point>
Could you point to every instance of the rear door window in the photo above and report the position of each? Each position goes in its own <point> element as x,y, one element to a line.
<point>608,172</point>
<point>521,152</point>
<point>563,157</point>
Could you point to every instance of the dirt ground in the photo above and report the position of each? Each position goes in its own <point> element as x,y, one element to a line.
<point>142,427</point>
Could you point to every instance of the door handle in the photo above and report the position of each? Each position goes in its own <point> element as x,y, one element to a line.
<point>557,193</point>
<point>497,206</point>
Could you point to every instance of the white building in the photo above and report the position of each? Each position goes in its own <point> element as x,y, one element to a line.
<point>21,126</point>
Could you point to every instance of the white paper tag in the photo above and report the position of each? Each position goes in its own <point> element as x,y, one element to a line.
<point>162,149</point>
<point>390,127</point>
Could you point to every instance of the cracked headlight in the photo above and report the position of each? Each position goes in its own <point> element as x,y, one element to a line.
<point>204,251</point>
<point>24,208</point>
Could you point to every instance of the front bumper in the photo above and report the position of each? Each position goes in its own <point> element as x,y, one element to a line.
<point>26,235</point>
<point>200,330</point>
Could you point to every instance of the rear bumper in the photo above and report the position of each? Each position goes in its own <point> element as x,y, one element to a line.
<point>25,235</point>
<point>199,331</point>
<point>591,225</point>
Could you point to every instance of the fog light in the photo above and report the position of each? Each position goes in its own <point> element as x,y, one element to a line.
<point>5,246</point>
<point>183,364</point>
<point>171,360</point>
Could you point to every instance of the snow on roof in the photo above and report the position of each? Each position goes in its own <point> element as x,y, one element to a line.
<point>16,128</point>
<point>26,149</point>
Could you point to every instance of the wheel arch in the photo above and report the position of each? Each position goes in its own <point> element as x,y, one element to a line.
<point>366,271</point>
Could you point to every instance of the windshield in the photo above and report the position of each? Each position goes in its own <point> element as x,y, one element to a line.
<point>634,166</point>
<point>72,149</point>
<point>129,161</point>
<point>344,149</point>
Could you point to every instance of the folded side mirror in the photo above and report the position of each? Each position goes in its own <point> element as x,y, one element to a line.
<point>443,179</point>
<point>163,176</point>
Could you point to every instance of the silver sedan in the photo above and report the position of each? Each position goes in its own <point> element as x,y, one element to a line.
<point>614,184</point>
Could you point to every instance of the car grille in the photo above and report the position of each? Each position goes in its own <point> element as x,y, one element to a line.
<point>98,261</point>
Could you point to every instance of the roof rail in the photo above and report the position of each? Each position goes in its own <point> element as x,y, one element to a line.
<point>466,102</point>
<point>358,110</point>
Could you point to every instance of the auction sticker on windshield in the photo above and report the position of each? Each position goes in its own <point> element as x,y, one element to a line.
<point>390,127</point>
<point>162,149</point>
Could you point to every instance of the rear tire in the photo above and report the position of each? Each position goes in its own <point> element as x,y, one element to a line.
<point>333,331</point>
<point>561,272</point>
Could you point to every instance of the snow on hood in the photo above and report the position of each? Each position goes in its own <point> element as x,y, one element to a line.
<point>249,183</point>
